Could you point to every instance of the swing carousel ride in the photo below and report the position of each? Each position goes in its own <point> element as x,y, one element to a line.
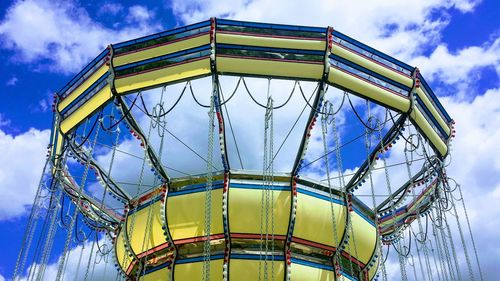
<point>320,158</point>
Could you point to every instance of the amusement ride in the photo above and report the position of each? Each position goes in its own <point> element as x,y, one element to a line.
<point>230,150</point>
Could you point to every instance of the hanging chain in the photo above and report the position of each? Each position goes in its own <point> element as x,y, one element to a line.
<point>90,152</point>
<point>324,130</point>
<point>368,132</point>
<point>208,192</point>
<point>389,189</point>
<point>414,195</point>
<point>470,232</point>
<point>267,197</point>
<point>32,224</point>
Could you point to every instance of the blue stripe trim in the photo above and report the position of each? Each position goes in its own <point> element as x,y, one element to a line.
<point>198,259</point>
<point>156,268</point>
<point>162,34</point>
<point>256,186</point>
<point>367,219</point>
<point>81,96</point>
<point>256,257</point>
<point>434,98</point>
<point>271,26</point>
<point>433,120</point>
<point>371,50</point>
<point>149,203</point>
<point>172,55</point>
<point>312,264</point>
<point>320,196</point>
<point>326,198</point>
<point>367,71</point>
<point>390,214</point>
<point>269,49</point>
<point>196,188</point>
<point>83,71</point>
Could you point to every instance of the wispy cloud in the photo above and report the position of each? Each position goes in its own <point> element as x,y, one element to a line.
<point>111,9</point>
<point>12,81</point>
<point>66,37</point>
<point>20,165</point>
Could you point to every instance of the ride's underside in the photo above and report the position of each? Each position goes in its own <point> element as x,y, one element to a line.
<point>237,224</point>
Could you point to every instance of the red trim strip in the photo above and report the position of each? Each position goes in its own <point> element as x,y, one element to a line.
<point>131,266</point>
<point>273,36</point>
<point>152,250</point>
<point>254,236</point>
<point>353,259</point>
<point>269,59</point>
<point>370,59</point>
<point>314,244</point>
<point>158,68</point>
<point>198,239</point>
<point>163,44</point>
<point>368,81</point>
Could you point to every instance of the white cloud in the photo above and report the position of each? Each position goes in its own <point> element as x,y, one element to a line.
<point>369,21</point>
<point>12,81</point>
<point>111,9</point>
<point>475,161</point>
<point>104,269</point>
<point>66,38</point>
<point>21,165</point>
<point>139,13</point>
<point>460,67</point>
<point>4,121</point>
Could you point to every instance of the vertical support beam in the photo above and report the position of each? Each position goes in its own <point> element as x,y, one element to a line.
<point>299,158</point>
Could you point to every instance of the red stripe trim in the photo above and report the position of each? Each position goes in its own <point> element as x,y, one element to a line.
<point>163,44</point>
<point>198,239</point>
<point>131,266</point>
<point>158,68</point>
<point>149,195</point>
<point>152,250</point>
<point>353,259</point>
<point>370,59</point>
<point>314,244</point>
<point>272,36</point>
<point>269,59</point>
<point>255,236</point>
<point>368,81</point>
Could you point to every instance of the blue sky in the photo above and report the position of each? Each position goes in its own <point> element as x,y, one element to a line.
<point>456,44</point>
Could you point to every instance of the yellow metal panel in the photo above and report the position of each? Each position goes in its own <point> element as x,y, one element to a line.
<point>368,90</point>
<point>84,86</point>
<point>307,273</point>
<point>428,131</point>
<point>158,275</point>
<point>362,239</point>
<point>375,67</point>
<point>270,68</point>
<point>142,226</point>
<point>186,214</point>
<point>99,99</point>
<point>433,110</point>
<point>194,271</point>
<point>57,141</point>
<point>248,270</point>
<point>245,206</point>
<point>314,220</point>
<point>123,259</point>
<point>164,75</point>
<point>161,50</point>
<point>272,42</point>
